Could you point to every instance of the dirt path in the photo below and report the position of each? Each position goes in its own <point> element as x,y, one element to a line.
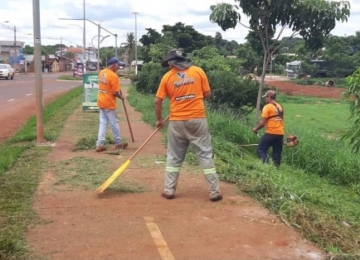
<point>293,89</point>
<point>76,224</point>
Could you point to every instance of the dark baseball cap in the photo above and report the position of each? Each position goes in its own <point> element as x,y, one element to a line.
<point>174,54</point>
<point>114,60</point>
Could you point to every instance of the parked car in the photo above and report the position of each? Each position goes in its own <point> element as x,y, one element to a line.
<point>6,71</point>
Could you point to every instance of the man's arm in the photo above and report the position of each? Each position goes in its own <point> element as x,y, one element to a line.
<point>158,107</point>
<point>260,125</point>
<point>118,94</point>
<point>207,94</point>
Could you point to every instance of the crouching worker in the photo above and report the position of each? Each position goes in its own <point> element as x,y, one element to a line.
<point>273,120</point>
<point>186,86</point>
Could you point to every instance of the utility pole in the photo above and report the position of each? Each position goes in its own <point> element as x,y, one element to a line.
<point>38,76</point>
<point>15,56</point>
<point>116,48</point>
<point>98,58</point>
<point>84,39</point>
<point>135,13</point>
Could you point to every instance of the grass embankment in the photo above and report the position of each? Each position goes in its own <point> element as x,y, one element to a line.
<point>323,208</point>
<point>20,170</point>
<point>316,190</point>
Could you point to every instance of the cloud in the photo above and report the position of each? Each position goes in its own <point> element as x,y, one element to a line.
<point>118,18</point>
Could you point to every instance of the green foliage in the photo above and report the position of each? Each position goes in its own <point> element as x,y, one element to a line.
<point>340,57</point>
<point>20,172</point>
<point>28,49</point>
<point>230,91</point>
<point>209,59</point>
<point>304,200</point>
<point>148,79</point>
<point>313,20</point>
<point>352,95</point>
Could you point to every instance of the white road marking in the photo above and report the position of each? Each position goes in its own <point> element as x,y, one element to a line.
<point>158,239</point>
<point>45,90</point>
<point>10,100</point>
<point>29,94</point>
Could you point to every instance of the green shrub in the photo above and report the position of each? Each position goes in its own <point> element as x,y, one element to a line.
<point>230,91</point>
<point>148,79</point>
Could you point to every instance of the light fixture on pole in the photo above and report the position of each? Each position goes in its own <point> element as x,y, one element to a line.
<point>115,35</point>
<point>135,13</point>
<point>98,48</point>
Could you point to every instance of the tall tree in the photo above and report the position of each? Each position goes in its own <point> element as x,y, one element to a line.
<point>151,37</point>
<point>352,95</point>
<point>130,47</point>
<point>311,19</point>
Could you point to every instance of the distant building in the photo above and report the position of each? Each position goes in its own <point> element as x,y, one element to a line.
<point>12,53</point>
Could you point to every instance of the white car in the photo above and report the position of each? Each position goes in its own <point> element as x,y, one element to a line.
<point>6,71</point>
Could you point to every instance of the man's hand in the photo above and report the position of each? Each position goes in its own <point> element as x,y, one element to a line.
<point>160,124</point>
<point>254,130</point>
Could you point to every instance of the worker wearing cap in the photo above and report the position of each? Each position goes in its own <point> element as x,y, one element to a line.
<point>109,90</point>
<point>273,120</point>
<point>186,86</point>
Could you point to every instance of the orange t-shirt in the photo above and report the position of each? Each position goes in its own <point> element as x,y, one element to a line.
<point>108,85</point>
<point>185,90</point>
<point>275,124</point>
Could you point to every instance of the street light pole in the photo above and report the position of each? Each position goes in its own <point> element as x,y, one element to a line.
<point>135,13</point>
<point>98,58</point>
<point>15,60</point>
<point>84,39</point>
<point>38,75</point>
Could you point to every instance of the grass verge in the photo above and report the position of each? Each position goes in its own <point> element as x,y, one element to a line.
<point>20,170</point>
<point>325,212</point>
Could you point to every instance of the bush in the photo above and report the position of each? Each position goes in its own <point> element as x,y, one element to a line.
<point>148,79</point>
<point>230,91</point>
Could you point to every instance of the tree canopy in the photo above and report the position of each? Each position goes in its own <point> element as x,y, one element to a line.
<point>311,19</point>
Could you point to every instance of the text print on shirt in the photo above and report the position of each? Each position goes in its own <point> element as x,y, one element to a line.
<point>103,78</point>
<point>184,81</point>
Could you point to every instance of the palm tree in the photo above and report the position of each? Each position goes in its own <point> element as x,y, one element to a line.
<point>130,47</point>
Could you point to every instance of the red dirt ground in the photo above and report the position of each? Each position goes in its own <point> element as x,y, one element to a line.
<point>76,224</point>
<point>292,89</point>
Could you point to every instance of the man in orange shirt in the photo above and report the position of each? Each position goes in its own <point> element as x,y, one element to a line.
<point>109,90</point>
<point>273,120</point>
<point>186,86</point>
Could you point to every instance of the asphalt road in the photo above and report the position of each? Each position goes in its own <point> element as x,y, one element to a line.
<point>17,98</point>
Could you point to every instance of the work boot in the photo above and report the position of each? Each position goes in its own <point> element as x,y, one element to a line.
<point>212,181</point>
<point>216,198</point>
<point>167,195</point>
<point>100,148</point>
<point>121,146</point>
<point>171,179</point>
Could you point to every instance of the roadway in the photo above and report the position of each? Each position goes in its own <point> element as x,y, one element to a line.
<point>17,99</point>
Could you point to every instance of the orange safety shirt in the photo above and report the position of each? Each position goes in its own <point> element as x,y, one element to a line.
<point>185,90</point>
<point>274,124</point>
<point>108,85</point>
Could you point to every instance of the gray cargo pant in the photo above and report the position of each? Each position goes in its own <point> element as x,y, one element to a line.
<point>180,135</point>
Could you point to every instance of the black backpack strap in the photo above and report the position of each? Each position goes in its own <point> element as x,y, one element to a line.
<point>280,113</point>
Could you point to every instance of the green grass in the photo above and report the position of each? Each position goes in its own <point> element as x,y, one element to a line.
<point>324,209</point>
<point>328,117</point>
<point>339,83</point>
<point>21,165</point>
<point>69,77</point>
<point>316,201</point>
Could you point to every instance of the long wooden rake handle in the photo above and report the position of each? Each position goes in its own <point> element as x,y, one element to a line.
<point>128,121</point>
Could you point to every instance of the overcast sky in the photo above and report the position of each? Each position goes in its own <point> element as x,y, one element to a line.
<point>117,17</point>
